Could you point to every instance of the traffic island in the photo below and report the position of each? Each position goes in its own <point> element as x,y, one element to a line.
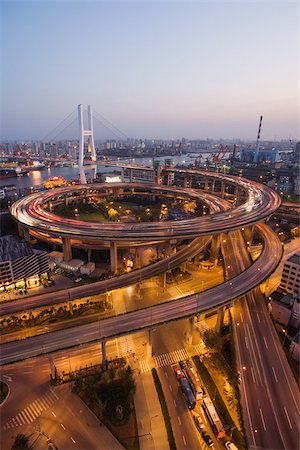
<point>109,394</point>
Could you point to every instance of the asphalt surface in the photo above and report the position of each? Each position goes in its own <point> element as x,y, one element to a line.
<point>269,393</point>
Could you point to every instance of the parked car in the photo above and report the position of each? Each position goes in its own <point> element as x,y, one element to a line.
<point>198,421</point>
<point>207,439</point>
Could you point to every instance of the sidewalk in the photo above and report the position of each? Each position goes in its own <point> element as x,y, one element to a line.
<point>150,421</point>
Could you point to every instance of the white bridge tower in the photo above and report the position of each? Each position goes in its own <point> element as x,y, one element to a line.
<point>89,134</point>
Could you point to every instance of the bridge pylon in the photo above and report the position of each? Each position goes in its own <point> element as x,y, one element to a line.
<point>89,134</point>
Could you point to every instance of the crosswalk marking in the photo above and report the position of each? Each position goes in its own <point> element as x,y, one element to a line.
<point>171,358</point>
<point>144,366</point>
<point>32,411</point>
<point>167,359</point>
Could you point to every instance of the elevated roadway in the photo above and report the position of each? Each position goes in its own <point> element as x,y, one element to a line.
<point>262,202</point>
<point>155,315</point>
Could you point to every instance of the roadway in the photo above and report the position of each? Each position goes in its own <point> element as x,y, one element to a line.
<point>261,203</point>
<point>136,276</point>
<point>269,393</point>
<point>159,314</point>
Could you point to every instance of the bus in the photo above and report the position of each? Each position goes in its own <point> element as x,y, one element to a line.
<point>185,388</point>
<point>213,418</point>
<point>187,393</point>
<point>194,382</point>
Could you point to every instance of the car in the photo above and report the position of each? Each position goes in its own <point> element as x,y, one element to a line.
<point>207,439</point>
<point>77,280</point>
<point>178,373</point>
<point>182,364</point>
<point>198,421</point>
<point>230,446</point>
<point>239,377</point>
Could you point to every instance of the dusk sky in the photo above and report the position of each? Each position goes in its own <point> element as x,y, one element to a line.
<point>156,70</point>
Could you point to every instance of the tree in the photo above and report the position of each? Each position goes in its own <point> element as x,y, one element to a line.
<point>21,442</point>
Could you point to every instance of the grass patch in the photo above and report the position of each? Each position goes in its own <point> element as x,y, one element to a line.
<point>3,391</point>
<point>220,406</point>
<point>109,394</point>
<point>164,409</point>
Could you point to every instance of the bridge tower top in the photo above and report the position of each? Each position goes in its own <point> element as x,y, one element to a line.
<point>89,134</point>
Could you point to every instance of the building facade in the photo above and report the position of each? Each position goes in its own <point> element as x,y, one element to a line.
<point>18,261</point>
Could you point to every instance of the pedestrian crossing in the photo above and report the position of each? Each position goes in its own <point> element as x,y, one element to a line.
<point>144,366</point>
<point>170,358</point>
<point>32,411</point>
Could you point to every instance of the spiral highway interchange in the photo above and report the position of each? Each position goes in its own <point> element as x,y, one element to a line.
<point>260,204</point>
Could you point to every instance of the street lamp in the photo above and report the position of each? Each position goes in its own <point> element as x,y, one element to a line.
<point>284,338</point>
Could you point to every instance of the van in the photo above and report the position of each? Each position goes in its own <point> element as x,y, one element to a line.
<point>230,446</point>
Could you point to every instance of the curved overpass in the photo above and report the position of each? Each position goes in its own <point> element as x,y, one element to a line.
<point>155,315</point>
<point>261,203</point>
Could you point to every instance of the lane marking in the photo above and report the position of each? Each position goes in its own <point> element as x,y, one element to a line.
<point>276,379</point>
<point>242,319</point>
<point>246,342</point>
<point>258,318</point>
<point>170,388</point>
<point>253,375</point>
<point>184,441</point>
<point>174,403</point>
<point>166,375</point>
<point>53,414</point>
<point>262,419</point>
<point>265,343</point>
<point>179,420</point>
<point>287,416</point>
<point>63,427</point>
<point>73,440</point>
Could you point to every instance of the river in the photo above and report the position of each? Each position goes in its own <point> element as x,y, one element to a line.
<point>35,178</point>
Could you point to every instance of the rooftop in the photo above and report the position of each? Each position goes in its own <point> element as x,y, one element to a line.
<point>12,248</point>
<point>295,258</point>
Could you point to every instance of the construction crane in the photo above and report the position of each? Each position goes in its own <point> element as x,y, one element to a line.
<point>217,157</point>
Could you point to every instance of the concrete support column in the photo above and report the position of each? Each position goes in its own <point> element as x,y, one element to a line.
<point>52,367</point>
<point>113,257</point>
<point>220,319</point>
<point>20,231</point>
<point>190,331</point>
<point>89,252</point>
<point>248,233</point>
<point>66,200</point>
<point>213,185</point>
<point>185,181</point>
<point>103,350</point>
<point>168,248</point>
<point>222,188</point>
<point>196,260</point>
<point>206,184</point>
<point>183,266</point>
<point>237,194</point>
<point>215,249</point>
<point>164,279</point>
<point>149,344</point>
<point>67,249</point>
<point>122,175</point>
<point>26,235</point>
<point>130,175</point>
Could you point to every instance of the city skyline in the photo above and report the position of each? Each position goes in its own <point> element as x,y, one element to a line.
<point>162,70</point>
